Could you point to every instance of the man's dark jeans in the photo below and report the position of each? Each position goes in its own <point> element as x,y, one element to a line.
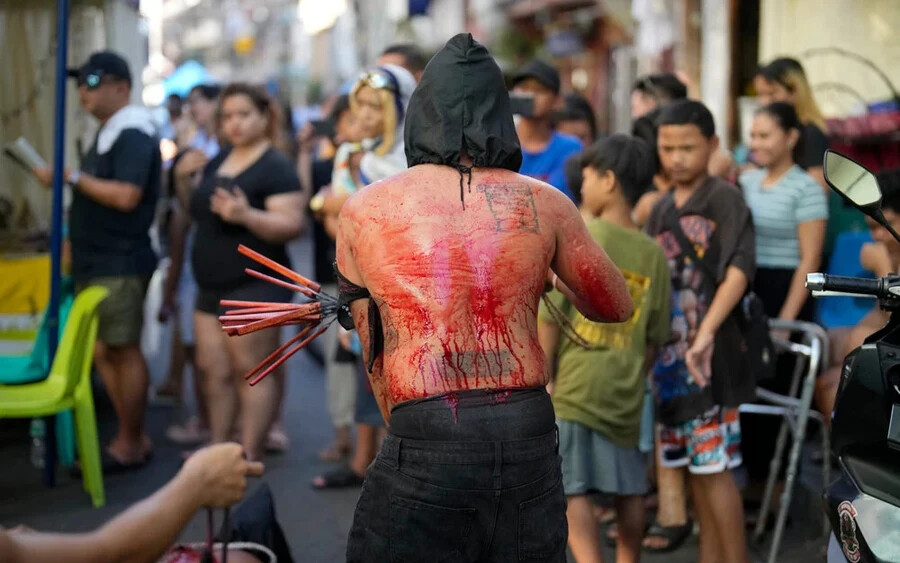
<point>467,477</point>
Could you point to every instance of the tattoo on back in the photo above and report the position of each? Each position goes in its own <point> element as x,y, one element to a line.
<point>512,206</point>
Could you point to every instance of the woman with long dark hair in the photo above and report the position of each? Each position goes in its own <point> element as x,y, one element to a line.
<point>249,195</point>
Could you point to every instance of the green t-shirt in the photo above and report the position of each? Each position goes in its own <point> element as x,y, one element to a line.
<point>603,387</point>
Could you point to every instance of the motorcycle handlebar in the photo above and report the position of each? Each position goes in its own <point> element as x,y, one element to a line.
<point>845,284</point>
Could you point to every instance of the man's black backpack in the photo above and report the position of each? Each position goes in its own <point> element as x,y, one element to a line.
<point>749,314</point>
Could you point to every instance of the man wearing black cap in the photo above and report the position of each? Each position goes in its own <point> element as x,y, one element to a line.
<point>113,202</point>
<point>544,150</point>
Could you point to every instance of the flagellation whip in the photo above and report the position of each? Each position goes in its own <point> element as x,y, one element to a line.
<point>315,314</point>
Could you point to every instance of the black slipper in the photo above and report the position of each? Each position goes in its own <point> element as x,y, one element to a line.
<point>339,478</point>
<point>675,535</point>
<point>110,465</point>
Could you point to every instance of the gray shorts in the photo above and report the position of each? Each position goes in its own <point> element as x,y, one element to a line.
<point>591,463</point>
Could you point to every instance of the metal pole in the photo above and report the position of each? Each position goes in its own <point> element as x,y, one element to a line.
<point>59,138</point>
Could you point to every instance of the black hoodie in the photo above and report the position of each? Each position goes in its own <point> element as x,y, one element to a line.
<point>462,105</point>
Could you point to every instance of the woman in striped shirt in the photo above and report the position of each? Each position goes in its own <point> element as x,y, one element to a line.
<point>789,214</point>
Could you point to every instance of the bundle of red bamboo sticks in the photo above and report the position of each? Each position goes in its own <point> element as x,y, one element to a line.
<point>318,312</point>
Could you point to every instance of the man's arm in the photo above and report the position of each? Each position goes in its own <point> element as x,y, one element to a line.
<point>590,280</point>
<point>214,476</point>
<point>121,196</point>
<point>347,231</point>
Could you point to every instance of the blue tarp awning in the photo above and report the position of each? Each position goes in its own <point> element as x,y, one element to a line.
<point>185,77</point>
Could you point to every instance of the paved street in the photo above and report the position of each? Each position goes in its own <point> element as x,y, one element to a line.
<point>316,523</point>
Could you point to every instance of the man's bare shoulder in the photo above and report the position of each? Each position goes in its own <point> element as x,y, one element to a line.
<point>375,193</point>
<point>419,180</point>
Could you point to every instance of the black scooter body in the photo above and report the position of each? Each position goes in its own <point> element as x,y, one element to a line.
<point>863,504</point>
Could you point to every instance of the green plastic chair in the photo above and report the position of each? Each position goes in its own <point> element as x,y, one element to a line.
<point>68,387</point>
<point>15,370</point>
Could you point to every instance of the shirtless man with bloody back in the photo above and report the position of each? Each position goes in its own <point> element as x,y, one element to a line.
<point>443,267</point>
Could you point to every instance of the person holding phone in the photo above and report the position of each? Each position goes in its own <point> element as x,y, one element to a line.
<point>250,195</point>
<point>544,150</point>
<point>114,198</point>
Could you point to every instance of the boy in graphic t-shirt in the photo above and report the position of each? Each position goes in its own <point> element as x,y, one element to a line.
<point>601,368</point>
<point>700,377</point>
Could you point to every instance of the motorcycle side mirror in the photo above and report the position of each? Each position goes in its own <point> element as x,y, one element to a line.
<point>856,185</point>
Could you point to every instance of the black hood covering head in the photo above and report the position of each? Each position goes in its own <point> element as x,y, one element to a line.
<point>461,105</point>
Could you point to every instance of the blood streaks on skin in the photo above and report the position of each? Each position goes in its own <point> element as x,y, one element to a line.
<point>459,318</point>
<point>591,277</point>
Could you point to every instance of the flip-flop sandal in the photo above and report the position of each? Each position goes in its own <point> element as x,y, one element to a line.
<point>675,535</point>
<point>342,477</point>
<point>111,465</point>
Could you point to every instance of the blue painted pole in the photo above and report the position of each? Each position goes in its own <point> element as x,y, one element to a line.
<point>59,145</point>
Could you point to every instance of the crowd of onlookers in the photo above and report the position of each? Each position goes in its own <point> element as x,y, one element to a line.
<point>647,410</point>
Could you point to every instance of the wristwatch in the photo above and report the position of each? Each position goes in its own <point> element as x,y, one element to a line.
<point>74,177</point>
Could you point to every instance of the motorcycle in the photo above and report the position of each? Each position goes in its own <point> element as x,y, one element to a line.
<point>863,503</point>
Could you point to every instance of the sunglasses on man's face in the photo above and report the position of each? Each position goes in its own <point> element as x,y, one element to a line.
<point>91,80</point>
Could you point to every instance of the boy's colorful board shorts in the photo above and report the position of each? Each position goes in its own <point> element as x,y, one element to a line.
<point>710,443</point>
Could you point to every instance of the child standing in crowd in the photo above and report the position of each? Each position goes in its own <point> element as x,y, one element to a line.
<point>598,391</point>
<point>699,378</point>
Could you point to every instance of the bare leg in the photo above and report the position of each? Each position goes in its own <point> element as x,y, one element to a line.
<point>200,396</point>
<point>214,366</point>
<point>171,387</point>
<point>584,540</point>
<point>724,515</point>
<point>109,376</point>
<point>709,541</point>
<point>630,522</point>
<point>277,439</point>
<point>366,448</point>
<point>128,362</point>
<point>672,494</point>
<point>259,404</point>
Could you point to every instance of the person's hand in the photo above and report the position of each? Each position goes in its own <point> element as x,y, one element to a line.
<point>218,474</point>
<point>190,164</point>
<point>167,308</point>
<point>874,256</point>
<point>232,206</point>
<point>699,358</point>
<point>44,175</point>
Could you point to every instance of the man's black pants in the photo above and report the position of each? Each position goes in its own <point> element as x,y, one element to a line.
<point>465,477</point>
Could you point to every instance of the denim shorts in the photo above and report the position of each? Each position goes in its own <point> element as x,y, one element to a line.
<point>465,477</point>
